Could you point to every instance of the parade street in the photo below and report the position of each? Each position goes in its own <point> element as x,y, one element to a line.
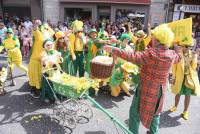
<point>17,109</point>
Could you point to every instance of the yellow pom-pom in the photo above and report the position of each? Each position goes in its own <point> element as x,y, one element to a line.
<point>59,34</point>
<point>164,35</point>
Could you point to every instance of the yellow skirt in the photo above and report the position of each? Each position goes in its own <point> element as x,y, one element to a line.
<point>35,73</point>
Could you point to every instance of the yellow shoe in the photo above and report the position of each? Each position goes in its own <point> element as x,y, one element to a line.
<point>185,115</point>
<point>173,109</point>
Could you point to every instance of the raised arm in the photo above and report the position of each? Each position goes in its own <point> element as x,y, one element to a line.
<point>177,54</point>
<point>134,57</point>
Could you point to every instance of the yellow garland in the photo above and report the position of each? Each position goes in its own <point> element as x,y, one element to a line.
<point>77,83</point>
<point>130,68</point>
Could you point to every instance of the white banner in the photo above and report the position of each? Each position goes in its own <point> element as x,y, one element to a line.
<point>187,8</point>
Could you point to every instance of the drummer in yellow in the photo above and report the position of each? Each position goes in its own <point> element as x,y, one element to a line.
<point>12,45</point>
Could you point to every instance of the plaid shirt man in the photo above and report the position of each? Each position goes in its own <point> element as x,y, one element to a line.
<point>155,67</point>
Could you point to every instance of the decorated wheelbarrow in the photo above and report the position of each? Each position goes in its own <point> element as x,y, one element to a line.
<point>3,77</point>
<point>68,112</point>
<point>4,72</point>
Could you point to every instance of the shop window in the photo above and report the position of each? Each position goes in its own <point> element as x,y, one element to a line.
<point>127,15</point>
<point>198,17</point>
<point>78,13</point>
<point>193,16</point>
<point>18,11</point>
<point>103,13</point>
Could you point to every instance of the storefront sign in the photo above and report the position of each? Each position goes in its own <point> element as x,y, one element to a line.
<point>187,8</point>
<point>111,1</point>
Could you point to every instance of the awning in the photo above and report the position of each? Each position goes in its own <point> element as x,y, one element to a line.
<point>110,1</point>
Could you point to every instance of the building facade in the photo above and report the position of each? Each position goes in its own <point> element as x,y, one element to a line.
<point>186,9</point>
<point>159,11</point>
<point>21,8</point>
<point>62,10</point>
<point>94,10</point>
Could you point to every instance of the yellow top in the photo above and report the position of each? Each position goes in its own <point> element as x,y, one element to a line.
<point>11,43</point>
<point>38,45</point>
<point>146,40</point>
<point>76,43</point>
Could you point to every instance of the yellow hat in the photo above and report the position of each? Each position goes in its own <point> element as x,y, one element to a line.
<point>130,68</point>
<point>59,34</point>
<point>77,26</point>
<point>163,34</point>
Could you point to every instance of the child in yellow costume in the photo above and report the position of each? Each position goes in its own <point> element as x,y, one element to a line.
<point>40,32</point>
<point>141,39</point>
<point>118,80</point>
<point>78,41</point>
<point>185,79</point>
<point>12,45</point>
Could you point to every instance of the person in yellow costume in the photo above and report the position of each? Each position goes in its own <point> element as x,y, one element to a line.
<point>141,39</point>
<point>12,45</point>
<point>155,64</point>
<point>50,58</point>
<point>78,41</point>
<point>40,33</point>
<point>185,79</point>
<point>118,80</point>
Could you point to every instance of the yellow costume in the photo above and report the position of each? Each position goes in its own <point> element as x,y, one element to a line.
<point>122,70</point>
<point>140,41</point>
<point>12,45</point>
<point>34,66</point>
<point>191,80</point>
<point>78,41</point>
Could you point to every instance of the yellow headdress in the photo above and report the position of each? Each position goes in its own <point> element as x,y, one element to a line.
<point>77,26</point>
<point>59,35</point>
<point>163,34</point>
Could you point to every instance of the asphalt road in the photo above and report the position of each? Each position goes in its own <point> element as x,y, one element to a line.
<point>17,109</point>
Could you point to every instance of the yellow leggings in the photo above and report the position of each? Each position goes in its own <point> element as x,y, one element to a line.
<point>15,57</point>
<point>115,91</point>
